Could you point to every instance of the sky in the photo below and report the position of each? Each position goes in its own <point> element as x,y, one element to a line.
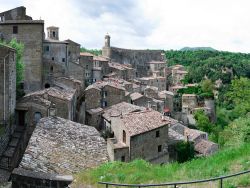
<point>146,24</point>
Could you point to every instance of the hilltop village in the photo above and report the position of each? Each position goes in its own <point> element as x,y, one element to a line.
<point>80,110</point>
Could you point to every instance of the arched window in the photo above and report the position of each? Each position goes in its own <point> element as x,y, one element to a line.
<point>37,117</point>
<point>124,136</point>
<point>47,85</point>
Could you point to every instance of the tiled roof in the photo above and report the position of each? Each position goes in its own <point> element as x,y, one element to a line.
<point>135,96</point>
<point>95,110</point>
<point>192,134</point>
<point>122,107</point>
<point>100,84</point>
<point>205,146</point>
<point>99,58</point>
<point>119,66</point>
<point>144,121</point>
<point>55,92</point>
<point>86,54</point>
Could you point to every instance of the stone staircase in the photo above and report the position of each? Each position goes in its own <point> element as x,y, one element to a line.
<point>10,157</point>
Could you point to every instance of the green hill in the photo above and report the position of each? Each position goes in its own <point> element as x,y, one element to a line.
<point>227,161</point>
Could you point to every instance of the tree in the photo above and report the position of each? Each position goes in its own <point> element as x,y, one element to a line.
<point>202,121</point>
<point>185,151</point>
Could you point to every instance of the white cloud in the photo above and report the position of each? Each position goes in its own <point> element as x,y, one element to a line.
<point>165,24</point>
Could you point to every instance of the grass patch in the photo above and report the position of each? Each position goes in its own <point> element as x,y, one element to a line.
<point>224,162</point>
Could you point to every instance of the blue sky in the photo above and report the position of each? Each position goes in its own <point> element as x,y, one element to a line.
<point>147,24</point>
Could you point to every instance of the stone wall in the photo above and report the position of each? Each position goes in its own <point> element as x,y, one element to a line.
<point>30,33</point>
<point>92,98</point>
<point>25,178</point>
<point>7,93</point>
<point>55,60</point>
<point>137,58</point>
<point>77,71</point>
<point>145,146</point>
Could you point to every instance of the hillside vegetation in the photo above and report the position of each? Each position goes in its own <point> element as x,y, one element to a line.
<point>212,64</point>
<point>227,161</point>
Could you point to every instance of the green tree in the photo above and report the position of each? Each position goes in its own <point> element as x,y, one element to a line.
<point>202,121</point>
<point>185,151</point>
<point>19,47</point>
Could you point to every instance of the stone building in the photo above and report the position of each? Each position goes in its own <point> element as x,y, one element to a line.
<point>63,99</point>
<point>137,58</point>
<point>76,68</point>
<point>148,102</point>
<point>7,94</point>
<point>104,94</point>
<point>16,24</point>
<point>156,68</point>
<point>122,71</point>
<point>87,59</point>
<point>123,108</point>
<point>100,68</point>
<point>157,81</point>
<point>55,57</point>
<point>142,135</point>
<point>60,146</point>
<point>202,146</point>
<point>178,74</point>
<point>101,95</point>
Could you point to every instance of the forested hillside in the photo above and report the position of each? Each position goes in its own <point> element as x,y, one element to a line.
<point>212,64</point>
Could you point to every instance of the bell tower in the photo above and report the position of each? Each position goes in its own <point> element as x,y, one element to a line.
<point>53,32</point>
<point>106,50</point>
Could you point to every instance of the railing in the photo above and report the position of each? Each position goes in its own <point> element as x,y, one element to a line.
<point>220,179</point>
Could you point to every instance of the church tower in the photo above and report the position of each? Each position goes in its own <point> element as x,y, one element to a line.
<point>106,50</point>
<point>53,33</point>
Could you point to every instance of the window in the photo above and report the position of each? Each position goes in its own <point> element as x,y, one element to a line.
<point>37,117</point>
<point>51,68</point>
<point>53,58</point>
<point>87,66</point>
<point>63,59</point>
<point>69,53</point>
<point>54,34</point>
<point>123,158</point>
<point>157,134</point>
<point>124,136</point>
<point>15,29</point>
<point>47,85</point>
<point>47,48</point>
<point>105,94</point>
<point>104,103</point>
<point>159,148</point>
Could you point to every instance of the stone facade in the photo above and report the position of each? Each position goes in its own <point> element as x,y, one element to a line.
<point>64,100</point>
<point>7,94</point>
<point>100,68</point>
<point>121,71</point>
<point>178,74</point>
<point>55,57</point>
<point>16,24</point>
<point>141,134</point>
<point>104,94</point>
<point>60,146</point>
<point>156,68</point>
<point>148,102</point>
<point>86,59</point>
<point>158,81</point>
<point>136,58</point>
